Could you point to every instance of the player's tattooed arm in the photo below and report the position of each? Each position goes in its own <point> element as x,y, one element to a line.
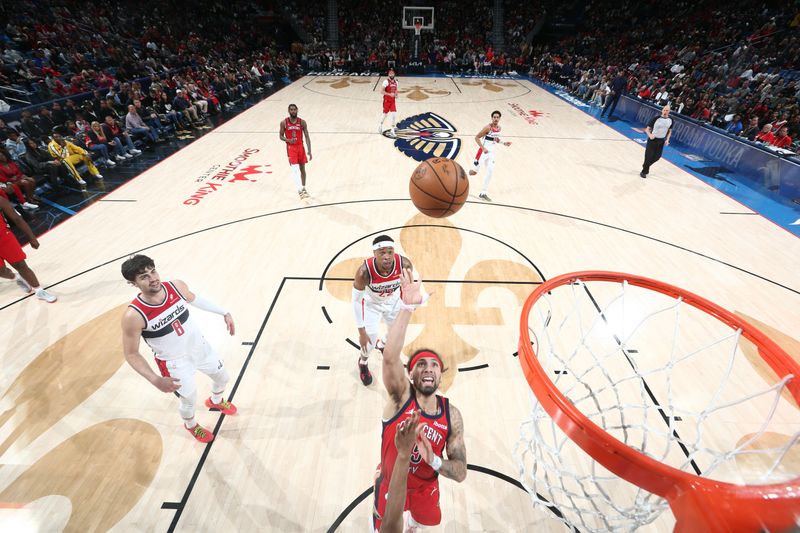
<point>455,466</point>
<point>406,263</point>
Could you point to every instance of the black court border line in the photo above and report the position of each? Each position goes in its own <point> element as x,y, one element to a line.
<point>188,492</point>
<point>406,200</point>
<point>475,468</point>
<point>660,407</point>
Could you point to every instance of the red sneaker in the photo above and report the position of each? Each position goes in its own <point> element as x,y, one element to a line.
<point>365,374</point>
<point>200,433</point>
<point>224,406</point>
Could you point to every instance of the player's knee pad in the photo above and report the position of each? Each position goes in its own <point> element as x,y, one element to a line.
<point>187,406</point>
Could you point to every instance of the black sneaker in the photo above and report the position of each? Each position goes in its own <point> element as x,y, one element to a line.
<point>642,174</point>
<point>365,374</point>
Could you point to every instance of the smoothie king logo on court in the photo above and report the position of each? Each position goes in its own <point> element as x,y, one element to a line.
<point>424,136</point>
<point>216,176</point>
<point>529,116</point>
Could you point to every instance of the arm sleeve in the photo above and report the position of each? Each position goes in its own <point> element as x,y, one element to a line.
<point>207,305</point>
<point>358,307</point>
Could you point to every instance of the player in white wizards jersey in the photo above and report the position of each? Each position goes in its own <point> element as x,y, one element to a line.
<point>160,315</point>
<point>488,138</point>
<point>376,296</point>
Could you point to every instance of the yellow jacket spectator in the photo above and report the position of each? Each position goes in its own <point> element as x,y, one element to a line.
<point>72,156</point>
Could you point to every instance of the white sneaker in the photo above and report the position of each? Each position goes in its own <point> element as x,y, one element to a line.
<point>46,296</point>
<point>81,182</point>
<point>98,176</point>
<point>128,156</point>
<point>110,163</point>
<point>135,151</point>
<point>119,157</point>
<point>22,284</point>
<point>29,206</point>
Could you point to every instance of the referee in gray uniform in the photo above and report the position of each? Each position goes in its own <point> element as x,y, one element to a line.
<point>658,133</point>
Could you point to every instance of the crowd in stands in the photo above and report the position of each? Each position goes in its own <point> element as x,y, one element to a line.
<point>122,76</point>
<point>735,69</point>
<point>125,75</point>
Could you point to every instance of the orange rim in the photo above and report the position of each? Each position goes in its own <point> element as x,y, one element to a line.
<point>698,503</point>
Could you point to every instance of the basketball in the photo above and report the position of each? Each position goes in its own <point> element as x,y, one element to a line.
<point>439,187</point>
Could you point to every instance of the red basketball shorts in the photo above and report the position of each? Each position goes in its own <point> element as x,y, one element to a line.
<point>10,250</point>
<point>297,154</point>
<point>389,104</point>
<point>422,501</point>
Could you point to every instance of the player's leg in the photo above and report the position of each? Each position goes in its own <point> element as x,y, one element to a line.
<point>11,251</point>
<point>380,125</point>
<point>393,114</point>
<point>302,159</point>
<point>487,178</point>
<point>7,273</point>
<point>211,364</point>
<point>184,370</point>
<point>476,162</point>
<point>372,318</point>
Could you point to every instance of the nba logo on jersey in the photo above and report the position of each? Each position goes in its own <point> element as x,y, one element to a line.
<point>424,136</point>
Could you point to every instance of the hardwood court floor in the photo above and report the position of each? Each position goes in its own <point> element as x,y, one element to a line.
<point>89,446</point>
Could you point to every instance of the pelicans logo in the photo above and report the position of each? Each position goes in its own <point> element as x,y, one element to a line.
<point>424,136</point>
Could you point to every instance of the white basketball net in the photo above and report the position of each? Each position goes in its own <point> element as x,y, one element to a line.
<point>660,376</point>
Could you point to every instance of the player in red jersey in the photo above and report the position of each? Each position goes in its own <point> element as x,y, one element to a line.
<point>11,252</point>
<point>159,316</point>
<point>375,297</point>
<point>292,131</point>
<point>443,426</point>
<point>389,100</point>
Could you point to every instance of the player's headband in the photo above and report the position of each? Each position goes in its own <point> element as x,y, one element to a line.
<point>421,355</point>
<point>384,243</point>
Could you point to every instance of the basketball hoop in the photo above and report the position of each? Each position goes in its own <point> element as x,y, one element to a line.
<point>417,27</point>
<point>640,375</point>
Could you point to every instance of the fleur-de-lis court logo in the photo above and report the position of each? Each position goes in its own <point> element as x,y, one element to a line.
<point>434,250</point>
<point>341,83</point>
<point>490,85</point>
<point>103,468</point>
<point>418,92</point>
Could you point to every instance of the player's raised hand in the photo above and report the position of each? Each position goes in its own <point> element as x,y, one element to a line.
<point>410,289</point>
<point>425,449</point>
<point>229,323</point>
<point>407,434</point>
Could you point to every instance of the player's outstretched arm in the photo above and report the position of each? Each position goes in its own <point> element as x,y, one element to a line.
<point>359,286</point>
<point>12,216</point>
<point>308,138</point>
<point>408,432</point>
<point>204,304</point>
<point>132,325</point>
<point>394,376</point>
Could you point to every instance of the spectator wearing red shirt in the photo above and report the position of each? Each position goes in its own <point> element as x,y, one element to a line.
<point>782,139</point>
<point>766,135</point>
